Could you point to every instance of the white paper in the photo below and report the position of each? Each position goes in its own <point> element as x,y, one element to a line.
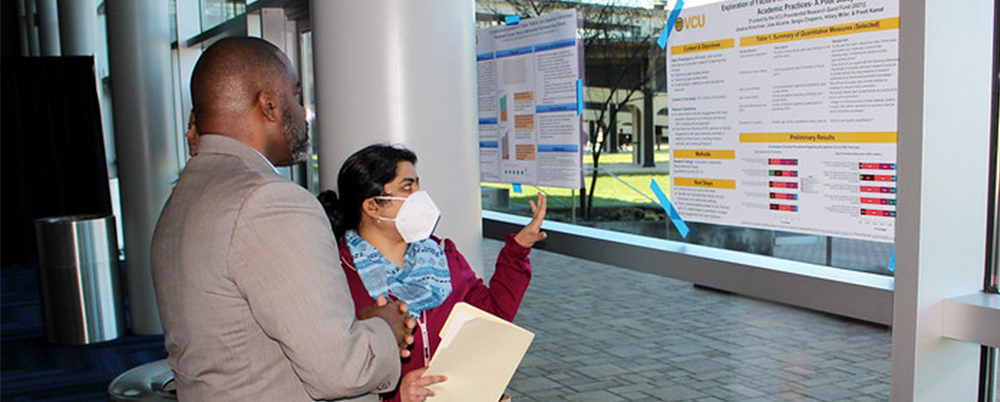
<point>457,322</point>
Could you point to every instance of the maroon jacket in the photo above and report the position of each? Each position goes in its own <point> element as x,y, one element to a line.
<point>502,298</point>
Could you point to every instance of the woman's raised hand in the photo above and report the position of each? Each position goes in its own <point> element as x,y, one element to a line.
<point>533,231</point>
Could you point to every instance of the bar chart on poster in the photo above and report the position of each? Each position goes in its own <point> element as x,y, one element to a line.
<point>529,76</point>
<point>783,115</point>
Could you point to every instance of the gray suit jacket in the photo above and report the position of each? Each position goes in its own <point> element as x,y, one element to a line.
<point>253,303</point>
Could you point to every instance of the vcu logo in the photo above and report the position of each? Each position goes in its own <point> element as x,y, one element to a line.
<point>692,22</point>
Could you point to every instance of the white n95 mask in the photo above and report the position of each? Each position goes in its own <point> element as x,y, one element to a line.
<point>417,217</point>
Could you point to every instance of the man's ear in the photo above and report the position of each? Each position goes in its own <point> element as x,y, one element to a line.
<point>267,105</point>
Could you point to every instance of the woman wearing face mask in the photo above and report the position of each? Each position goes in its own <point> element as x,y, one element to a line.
<point>383,222</point>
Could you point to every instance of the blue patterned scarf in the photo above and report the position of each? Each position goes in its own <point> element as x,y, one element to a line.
<point>423,282</point>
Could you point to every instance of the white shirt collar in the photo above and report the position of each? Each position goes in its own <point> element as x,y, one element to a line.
<point>266,160</point>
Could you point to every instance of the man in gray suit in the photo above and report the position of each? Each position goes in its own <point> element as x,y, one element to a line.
<point>253,303</point>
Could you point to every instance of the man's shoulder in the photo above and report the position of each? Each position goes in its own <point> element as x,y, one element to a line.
<point>281,196</point>
<point>213,189</point>
<point>225,155</point>
<point>225,172</point>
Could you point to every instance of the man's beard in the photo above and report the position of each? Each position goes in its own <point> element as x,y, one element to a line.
<point>297,136</point>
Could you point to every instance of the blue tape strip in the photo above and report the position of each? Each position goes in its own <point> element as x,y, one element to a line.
<point>670,24</point>
<point>892,262</point>
<point>562,107</point>
<point>517,188</point>
<point>558,148</point>
<point>671,212</point>
<point>579,96</point>
<point>512,19</point>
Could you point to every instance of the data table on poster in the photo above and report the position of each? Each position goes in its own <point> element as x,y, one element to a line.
<point>783,115</point>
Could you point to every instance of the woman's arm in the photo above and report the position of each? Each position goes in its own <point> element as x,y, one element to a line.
<point>513,269</point>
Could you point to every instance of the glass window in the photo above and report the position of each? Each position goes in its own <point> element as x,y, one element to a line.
<point>309,101</point>
<point>990,374</point>
<point>172,11</point>
<point>996,377</point>
<point>623,68</point>
<point>215,12</point>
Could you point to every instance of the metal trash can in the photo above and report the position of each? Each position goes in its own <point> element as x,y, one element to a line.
<point>150,382</point>
<point>79,274</point>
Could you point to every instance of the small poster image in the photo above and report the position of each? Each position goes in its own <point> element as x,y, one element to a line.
<point>530,128</point>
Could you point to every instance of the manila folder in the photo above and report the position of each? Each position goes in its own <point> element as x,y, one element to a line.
<point>479,353</point>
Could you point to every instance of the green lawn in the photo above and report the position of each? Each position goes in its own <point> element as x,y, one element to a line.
<point>625,157</point>
<point>609,192</point>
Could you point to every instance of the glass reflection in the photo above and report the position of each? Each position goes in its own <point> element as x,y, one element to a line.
<point>625,77</point>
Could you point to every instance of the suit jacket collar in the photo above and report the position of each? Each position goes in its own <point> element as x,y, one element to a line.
<point>220,144</point>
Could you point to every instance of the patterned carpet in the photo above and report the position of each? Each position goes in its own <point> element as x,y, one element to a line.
<point>31,369</point>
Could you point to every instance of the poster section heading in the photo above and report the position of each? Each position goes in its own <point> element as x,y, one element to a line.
<point>783,115</point>
<point>530,129</point>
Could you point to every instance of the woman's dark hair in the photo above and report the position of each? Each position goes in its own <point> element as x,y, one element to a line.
<point>363,175</point>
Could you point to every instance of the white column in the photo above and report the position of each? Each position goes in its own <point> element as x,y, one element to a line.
<point>77,27</point>
<point>403,72</point>
<point>944,141</point>
<point>48,27</point>
<point>145,138</point>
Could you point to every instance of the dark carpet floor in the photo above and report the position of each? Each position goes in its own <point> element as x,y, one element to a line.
<point>31,369</point>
